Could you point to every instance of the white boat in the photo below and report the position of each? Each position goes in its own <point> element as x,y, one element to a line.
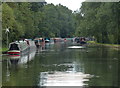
<point>22,59</point>
<point>16,48</point>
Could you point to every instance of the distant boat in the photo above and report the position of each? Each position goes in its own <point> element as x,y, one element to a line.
<point>58,40</point>
<point>47,40</point>
<point>81,40</point>
<point>39,42</point>
<point>16,48</point>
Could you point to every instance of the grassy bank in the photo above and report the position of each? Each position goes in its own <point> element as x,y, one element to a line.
<point>107,45</point>
<point>3,49</point>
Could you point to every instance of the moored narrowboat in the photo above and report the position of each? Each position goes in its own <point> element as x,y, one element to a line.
<point>16,48</point>
<point>47,40</point>
<point>82,40</point>
<point>39,42</point>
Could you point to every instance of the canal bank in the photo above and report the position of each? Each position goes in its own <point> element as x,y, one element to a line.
<point>113,46</point>
<point>3,50</point>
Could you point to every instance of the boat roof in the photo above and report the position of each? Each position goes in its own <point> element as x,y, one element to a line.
<point>38,38</point>
<point>14,43</point>
<point>17,42</point>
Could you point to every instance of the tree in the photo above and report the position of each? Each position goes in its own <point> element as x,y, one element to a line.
<point>8,21</point>
<point>99,20</point>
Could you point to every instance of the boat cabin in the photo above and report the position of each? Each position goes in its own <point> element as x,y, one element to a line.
<point>14,46</point>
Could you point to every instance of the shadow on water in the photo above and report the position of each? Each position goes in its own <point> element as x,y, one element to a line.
<point>58,65</point>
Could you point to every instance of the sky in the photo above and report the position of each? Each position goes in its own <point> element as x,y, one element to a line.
<point>71,4</point>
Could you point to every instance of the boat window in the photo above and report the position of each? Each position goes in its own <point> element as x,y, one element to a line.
<point>14,47</point>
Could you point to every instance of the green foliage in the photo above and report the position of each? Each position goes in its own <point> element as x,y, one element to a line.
<point>30,20</point>
<point>8,21</point>
<point>99,20</point>
<point>59,21</point>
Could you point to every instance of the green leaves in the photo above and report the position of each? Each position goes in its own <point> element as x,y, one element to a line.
<point>30,20</point>
<point>58,20</point>
<point>99,20</point>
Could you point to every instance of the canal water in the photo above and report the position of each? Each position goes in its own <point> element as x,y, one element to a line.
<point>58,65</point>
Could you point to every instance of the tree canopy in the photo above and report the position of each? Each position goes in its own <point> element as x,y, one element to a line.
<point>30,20</point>
<point>99,19</point>
<point>35,19</point>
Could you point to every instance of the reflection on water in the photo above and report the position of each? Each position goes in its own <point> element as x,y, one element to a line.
<point>15,60</point>
<point>70,77</point>
<point>63,79</point>
<point>22,59</point>
<point>58,65</point>
<point>76,47</point>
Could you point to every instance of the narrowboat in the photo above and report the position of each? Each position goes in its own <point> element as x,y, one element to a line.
<point>82,40</point>
<point>39,42</point>
<point>58,40</point>
<point>16,48</point>
<point>47,40</point>
<point>22,59</point>
<point>30,42</point>
<point>77,40</point>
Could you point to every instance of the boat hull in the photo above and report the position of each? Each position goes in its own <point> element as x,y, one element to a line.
<point>21,47</point>
<point>14,52</point>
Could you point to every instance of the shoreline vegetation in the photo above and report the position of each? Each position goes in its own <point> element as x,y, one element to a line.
<point>3,50</point>
<point>115,46</point>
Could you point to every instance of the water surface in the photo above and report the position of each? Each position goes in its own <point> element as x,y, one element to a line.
<point>58,65</point>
